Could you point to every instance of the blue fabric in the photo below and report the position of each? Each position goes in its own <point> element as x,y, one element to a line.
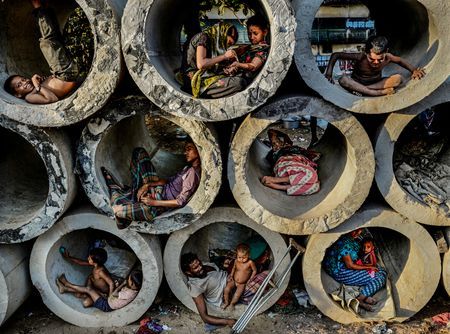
<point>345,245</point>
<point>362,278</point>
<point>102,304</point>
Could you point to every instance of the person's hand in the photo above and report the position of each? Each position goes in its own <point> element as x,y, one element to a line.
<point>229,278</point>
<point>37,80</point>
<point>418,73</point>
<point>142,190</point>
<point>374,268</point>
<point>230,54</point>
<point>329,77</point>
<point>147,200</point>
<point>230,322</point>
<point>232,69</point>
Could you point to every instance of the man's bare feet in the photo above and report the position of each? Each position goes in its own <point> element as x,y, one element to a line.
<point>62,289</point>
<point>224,306</point>
<point>231,307</point>
<point>62,278</point>
<point>370,300</point>
<point>365,306</point>
<point>387,91</point>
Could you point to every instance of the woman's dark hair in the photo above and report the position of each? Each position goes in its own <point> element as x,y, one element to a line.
<point>378,44</point>
<point>98,256</point>
<point>136,277</point>
<point>186,260</point>
<point>258,21</point>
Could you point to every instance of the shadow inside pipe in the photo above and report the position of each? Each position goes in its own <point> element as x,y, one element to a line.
<point>121,261</point>
<point>20,52</point>
<point>24,180</point>
<point>333,166</point>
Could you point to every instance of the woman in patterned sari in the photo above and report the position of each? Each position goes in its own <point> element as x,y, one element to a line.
<point>295,168</point>
<point>204,60</point>
<point>340,263</point>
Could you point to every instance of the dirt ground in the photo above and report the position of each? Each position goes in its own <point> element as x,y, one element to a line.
<point>33,318</point>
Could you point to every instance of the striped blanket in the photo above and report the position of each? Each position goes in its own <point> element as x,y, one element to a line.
<point>302,174</point>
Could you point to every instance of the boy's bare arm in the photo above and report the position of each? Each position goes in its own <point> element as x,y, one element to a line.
<point>416,72</point>
<point>75,260</point>
<point>334,58</point>
<point>107,278</point>
<point>116,291</point>
<point>40,94</point>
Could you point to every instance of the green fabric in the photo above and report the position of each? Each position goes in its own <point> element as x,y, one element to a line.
<point>257,247</point>
<point>202,79</point>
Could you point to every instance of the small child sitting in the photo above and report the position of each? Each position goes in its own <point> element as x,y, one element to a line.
<point>122,295</point>
<point>243,271</point>
<point>100,279</point>
<point>368,255</point>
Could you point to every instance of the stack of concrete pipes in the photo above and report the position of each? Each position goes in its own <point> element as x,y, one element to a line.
<point>40,145</point>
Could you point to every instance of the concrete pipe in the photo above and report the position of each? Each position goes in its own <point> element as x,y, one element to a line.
<point>387,136</point>
<point>224,228</point>
<point>446,265</point>
<point>151,47</point>
<point>37,179</point>
<point>419,35</point>
<point>74,232</point>
<point>20,54</point>
<point>345,170</point>
<point>15,285</point>
<point>409,254</point>
<point>109,141</point>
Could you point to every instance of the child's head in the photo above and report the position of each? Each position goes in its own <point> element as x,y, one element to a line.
<point>376,48</point>
<point>18,86</point>
<point>368,245</point>
<point>97,256</point>
<point>135,280</point>
<point>242,253</point>
<point>257,29</point>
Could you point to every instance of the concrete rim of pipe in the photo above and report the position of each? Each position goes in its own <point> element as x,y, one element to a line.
<point>96,89</point>
<point>446,272</point>
<point>151,62</point>
<point>414,285</point>
<point>430,21</point>
<point>91,147</point>
<point>51,149</point>
<point>337,200</point>
<point>387,183</point>
<point>145,247</point>
<point>15,283</point>
<point>177,240</point>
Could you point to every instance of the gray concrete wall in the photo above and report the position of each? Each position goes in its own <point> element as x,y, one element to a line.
<point>46,264</point>
<point>385,178</point>
<point>38,184</point>
<point>15,284</point>
<point>446,264</point>
<point>419,34</point>
<point>20,54</point>
<point>408,252</point>
<point>345,170</point>
<point>109,141</point>
<point>220,227</point>
<point>151,48</point>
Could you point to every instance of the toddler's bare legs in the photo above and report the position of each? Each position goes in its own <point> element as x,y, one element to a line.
<point>240,287</point>
<point>227,293</point>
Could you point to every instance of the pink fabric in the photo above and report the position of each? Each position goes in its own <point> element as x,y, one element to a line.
<point>442,319</point>
<point>126,296</point>
<point>302,174</point>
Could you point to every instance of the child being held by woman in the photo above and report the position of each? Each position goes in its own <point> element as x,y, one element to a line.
<point>368,256</point>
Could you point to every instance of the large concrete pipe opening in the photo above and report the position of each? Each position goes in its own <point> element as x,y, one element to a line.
<point>20,54</point>
<point>417,191</point>
<point>135,122</point>
<point>408,254</point>
<point>345,169</point>
<point>76,232</point>
<point>36,173</point>
<point>219,228</point>
<point>419,36</point>
<point>152,50</point>
<point>15,283</point>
